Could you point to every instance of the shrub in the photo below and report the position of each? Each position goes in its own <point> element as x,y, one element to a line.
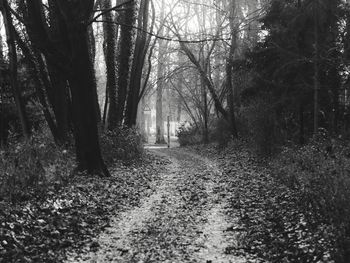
<point>123,143</point>
<point>320,173</point>
<point>221,134</point>
<point>262,126</point>
<point>188,135</point>
<point>28,168</point>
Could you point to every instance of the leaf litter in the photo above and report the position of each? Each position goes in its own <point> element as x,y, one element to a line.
<point>69,216</point>
<point>265,215</point>
<point>185,205</point>
<point>184,220</point>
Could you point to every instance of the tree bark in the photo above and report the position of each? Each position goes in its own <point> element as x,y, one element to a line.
<point>137,66</point>
<point>58,94</point>
<point>230,99</point>
<point>83,89</point>
<point>110,48</point>
<point>4,126</point>
<point>229,62</point>
<point>105,108</point>
<point>160,83</point>
<point>124,58</point>
<point>205,112</point>
<point>82,85</point>
<point>316,67</point>
<point>2,59</point>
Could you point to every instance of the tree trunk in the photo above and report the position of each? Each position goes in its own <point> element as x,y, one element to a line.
<point>179,89</point>
<point>109,48</point>
<point>230,91</point>
<point>58,95</point>
<point>141,120</point>
<point>12,53</point>
<point>134,84</point>
<point>205,112</point>
<point>105,108</point>
<point>3,121</point>
<point>230,99</point>
<point>40,89</point>
<point>92,42</point>
<point>137,66</point>
<point>83,86</point>
<point>124,55</point>
<point>2,59</point>
<point>316,67</point>
<point>160,83</point>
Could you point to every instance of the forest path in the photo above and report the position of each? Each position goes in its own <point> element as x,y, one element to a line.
<point>182,221</point>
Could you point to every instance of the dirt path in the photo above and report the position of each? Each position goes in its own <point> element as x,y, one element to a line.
<point>182,221</point>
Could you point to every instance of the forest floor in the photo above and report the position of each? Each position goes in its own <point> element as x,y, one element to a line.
<point>184,220</point>
<point>192,204</point>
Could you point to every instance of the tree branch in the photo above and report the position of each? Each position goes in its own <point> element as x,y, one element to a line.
<point>167,38</point>
<point>115,8</point>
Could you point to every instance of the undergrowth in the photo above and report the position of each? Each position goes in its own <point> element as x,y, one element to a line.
<point>188,135</point>
<point>28,168</point>
<point>319,173</point>
<point>44,211</point>
<point>294,209</point>
<point>123,143</point>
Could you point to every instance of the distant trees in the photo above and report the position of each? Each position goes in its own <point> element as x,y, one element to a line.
<point>207,55</point>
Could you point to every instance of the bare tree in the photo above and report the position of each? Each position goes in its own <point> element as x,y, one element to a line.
<point>162,45</point>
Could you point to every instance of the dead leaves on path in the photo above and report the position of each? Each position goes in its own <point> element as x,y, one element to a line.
<point>68,216</point>
<point>172,218</point>
<point>265,214</point>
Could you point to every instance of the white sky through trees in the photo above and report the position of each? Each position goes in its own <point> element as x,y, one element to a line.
<point>184,14</point>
